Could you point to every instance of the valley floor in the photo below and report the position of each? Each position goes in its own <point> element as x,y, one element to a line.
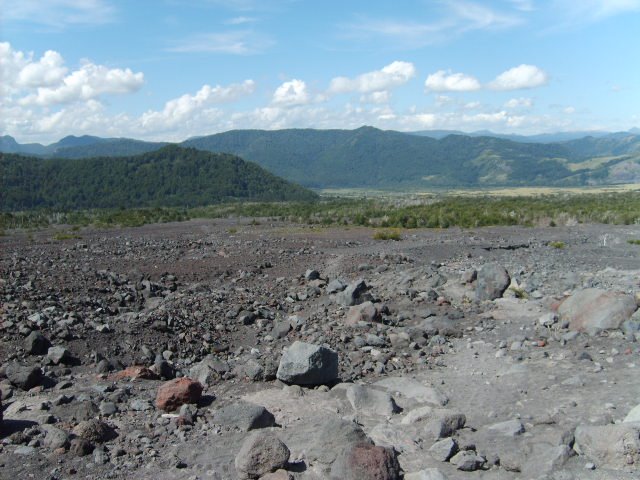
<point>503,381</point>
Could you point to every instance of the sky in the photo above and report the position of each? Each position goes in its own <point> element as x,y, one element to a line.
<point>173,69</point>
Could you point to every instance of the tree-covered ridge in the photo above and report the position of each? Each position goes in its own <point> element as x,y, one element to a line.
<point>371,158</point>
<point>171,176</point>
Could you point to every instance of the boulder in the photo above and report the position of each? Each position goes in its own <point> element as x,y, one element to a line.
<point>616,446</point>
<point>492,281</point>
<point>593,310</point>
<point>260,454</point>
<point>353,294</point>
<point>245,416</point>
<point>633,415</point>
<point>426,474</point>
<point>54,437</point>
<point>174,393</point>
<point>365,312</point>
<point>308,364</point>
<point>509,428</point>
<point>444,449</point>
<point>59,355</point>
<point>95,431</point>
<point>36,343</point>
<point>369,401</point>
<point>414,390</point>
<point>24,377</point>
<point>467,461</point>
<point>332,437</point>
<point>366,461</point>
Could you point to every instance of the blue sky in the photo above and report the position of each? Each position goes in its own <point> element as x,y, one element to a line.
<point>171,69</point>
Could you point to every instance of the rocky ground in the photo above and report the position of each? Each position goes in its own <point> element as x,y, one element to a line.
<point>227,349</point>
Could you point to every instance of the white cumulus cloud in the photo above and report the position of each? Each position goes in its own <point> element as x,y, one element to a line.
<point>393,75</point>
<point>291,93</point>
<point>186,107</point>
<point>89,82</point>
<point>445,81</point>
<point>520,77</point>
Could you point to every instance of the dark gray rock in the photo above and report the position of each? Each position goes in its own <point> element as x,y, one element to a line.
<point>492,281</point>
<point>245,416</point>
<point>308,364</point>
<point>24,377</point>
<point>353,294</point>
<point>36,343</point>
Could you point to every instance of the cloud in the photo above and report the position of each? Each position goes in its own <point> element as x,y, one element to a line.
<point>521,102</point>
<point>58,13</point>
<point>522,76</point>
<point>185,107</point>
<point>47,80</point>
<point>291,93</point>
<point>241,20</point>
<point>242,42</point>
<point>447,20</point>
<point>89,82</point>
<point>393,75</point>
<point>445,81</point>
<point>380,98</point>
<point>589,11</point>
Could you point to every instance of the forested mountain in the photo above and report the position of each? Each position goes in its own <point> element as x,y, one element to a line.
<point>372,158</point>
<point>171,176</point>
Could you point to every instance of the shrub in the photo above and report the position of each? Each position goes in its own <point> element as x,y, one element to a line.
<point>391,234</point>
<point>558,245</point>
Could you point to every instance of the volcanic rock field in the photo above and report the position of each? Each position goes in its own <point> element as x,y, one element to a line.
<point>236,349</point>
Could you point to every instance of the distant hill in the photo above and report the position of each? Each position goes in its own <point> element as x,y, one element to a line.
<point>539,138</point>
<point>372,158</point>
<point>170,176</point>
<point>81,147</point>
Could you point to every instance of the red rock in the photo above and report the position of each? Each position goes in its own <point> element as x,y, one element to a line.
<point>366,461</point>
<point>174,393</point>
<point>135,372</point>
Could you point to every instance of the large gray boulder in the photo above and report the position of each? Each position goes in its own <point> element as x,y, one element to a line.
<point>307,364</point>
<point>36,343</point>
<point>354,294</point>
<point>493,279</point>
<point>616,446</point>
<point>261,453</point>
<point>332,438</point>
<point>24,377</point>
<point>593,310</point>
<point>369,401</point>
<point>245,416</point>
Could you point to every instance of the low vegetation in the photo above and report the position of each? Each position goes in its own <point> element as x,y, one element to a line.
<point>388,234</point>
<point>441,212</point>
<point>558,245</point>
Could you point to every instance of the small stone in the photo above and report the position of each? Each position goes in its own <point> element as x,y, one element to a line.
<point>467,461</point>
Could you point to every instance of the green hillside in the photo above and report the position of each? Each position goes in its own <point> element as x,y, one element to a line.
<point>372,158</point>
<point>368,157</point>
<point>171,176</point>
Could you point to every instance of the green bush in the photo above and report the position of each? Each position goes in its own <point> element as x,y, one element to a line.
<point>391,234</point>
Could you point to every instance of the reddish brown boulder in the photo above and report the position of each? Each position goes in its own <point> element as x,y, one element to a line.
<point>366,461</point>
<point>135,372</point>
<point>177,392</point>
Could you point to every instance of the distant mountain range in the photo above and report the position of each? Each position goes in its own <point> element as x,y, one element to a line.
<point>371,158</point>
<point>170,176</point>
